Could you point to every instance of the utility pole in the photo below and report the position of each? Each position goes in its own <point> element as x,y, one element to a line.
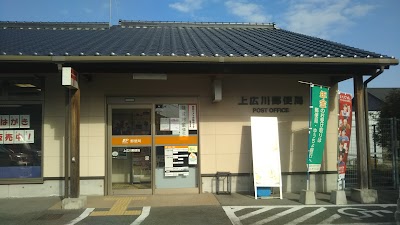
<point>109,24</point>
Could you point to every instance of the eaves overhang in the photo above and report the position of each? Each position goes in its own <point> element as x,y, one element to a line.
<point>196,59</point>
<point>337,68</point>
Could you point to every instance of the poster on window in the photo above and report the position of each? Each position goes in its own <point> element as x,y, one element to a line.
<point>25,121</point>
<point>192,158</point>
<point>192,117</point>
<point>174,124</point>
<point>176,160</point>
<point>29,136</point>
<point>184,120</point>
<point>4,121</point>
<point>344,131</point>
<point>14,121</point>
<point>164,124</point>
<point>19,137</point>
<point>8,137</point>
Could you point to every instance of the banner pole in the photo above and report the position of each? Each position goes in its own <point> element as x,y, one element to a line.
<point>339,181</point>
<point>309,132</point>
<point>312,84</point>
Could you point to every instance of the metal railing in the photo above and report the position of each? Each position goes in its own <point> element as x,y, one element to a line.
<point>384,154</point>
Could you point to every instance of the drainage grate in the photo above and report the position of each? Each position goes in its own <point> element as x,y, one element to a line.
<point>50,217</point>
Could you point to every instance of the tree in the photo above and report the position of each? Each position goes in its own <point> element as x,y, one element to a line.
<point>390,113</point>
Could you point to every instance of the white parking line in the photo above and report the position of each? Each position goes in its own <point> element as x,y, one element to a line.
<point>85,214</point>
<point>388,223</point>
<point>306,217</point>
<point>352,212</point>
<point>143,216</point>
<point>331,219</point>
<point>237,208</point>
<point>265,209</point>
<point>269,219</point>
<point>230,212</point>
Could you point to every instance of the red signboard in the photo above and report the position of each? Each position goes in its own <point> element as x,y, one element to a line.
<point>344,131</point>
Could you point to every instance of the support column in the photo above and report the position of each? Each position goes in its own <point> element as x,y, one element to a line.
<point>67,135</point>
<point>75,201</point>
<point>75,124</point>
<point>363,194</point>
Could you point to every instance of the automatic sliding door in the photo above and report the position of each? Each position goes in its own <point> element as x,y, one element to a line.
<point>131,149</point>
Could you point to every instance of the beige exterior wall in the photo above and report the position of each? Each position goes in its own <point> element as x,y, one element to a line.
<point>53,128</point>
<point>225,138</point>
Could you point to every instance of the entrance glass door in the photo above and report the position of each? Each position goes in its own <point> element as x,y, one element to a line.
<point>131,149</point>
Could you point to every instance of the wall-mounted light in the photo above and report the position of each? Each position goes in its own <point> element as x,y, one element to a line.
<point>25,85</point>
<point>149,76</point>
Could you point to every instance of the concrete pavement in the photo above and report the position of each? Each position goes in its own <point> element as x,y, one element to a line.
<point>47,210</point>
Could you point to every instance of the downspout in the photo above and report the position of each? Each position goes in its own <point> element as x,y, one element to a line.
<point>374,75</point>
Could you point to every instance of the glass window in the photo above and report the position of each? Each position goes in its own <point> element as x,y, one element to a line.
<point>21,87</point>
<point>168,122</point>
<point>176,146</point>
<point>131,122</point>
<point>21,141</point>
<point>180,172</point>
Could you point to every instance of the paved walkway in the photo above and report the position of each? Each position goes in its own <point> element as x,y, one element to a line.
<point>103,209</point>
<point>14,205</point>
<point>205,199</point>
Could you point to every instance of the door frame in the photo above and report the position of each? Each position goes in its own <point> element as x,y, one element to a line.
<point>128,102</point>
<point>108,178</point>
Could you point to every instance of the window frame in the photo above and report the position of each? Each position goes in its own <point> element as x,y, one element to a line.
<point>27,100</point>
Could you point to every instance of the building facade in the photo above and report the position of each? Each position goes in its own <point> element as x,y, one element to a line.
<point>166,117</point>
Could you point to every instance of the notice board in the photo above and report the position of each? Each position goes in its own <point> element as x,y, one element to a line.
<point>266,153</point>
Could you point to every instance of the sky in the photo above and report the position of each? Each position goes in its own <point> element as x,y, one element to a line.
<point>366,24</point>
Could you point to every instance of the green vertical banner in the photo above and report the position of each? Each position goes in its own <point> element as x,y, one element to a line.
<point>318,122</point>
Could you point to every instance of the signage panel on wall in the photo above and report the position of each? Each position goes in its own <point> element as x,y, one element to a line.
<point>271,104</point>
<point>131,140</point>
<point>266,153</point>
<point>70,78</point>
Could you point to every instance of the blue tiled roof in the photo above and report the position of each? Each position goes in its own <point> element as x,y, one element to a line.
<point>166,39</point>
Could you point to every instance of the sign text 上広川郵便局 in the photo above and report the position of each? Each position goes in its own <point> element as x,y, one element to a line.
<point>279,101</point>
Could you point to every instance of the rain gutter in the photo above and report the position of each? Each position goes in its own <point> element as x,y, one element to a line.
<point>198,59</point>
<point>372,77</point>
